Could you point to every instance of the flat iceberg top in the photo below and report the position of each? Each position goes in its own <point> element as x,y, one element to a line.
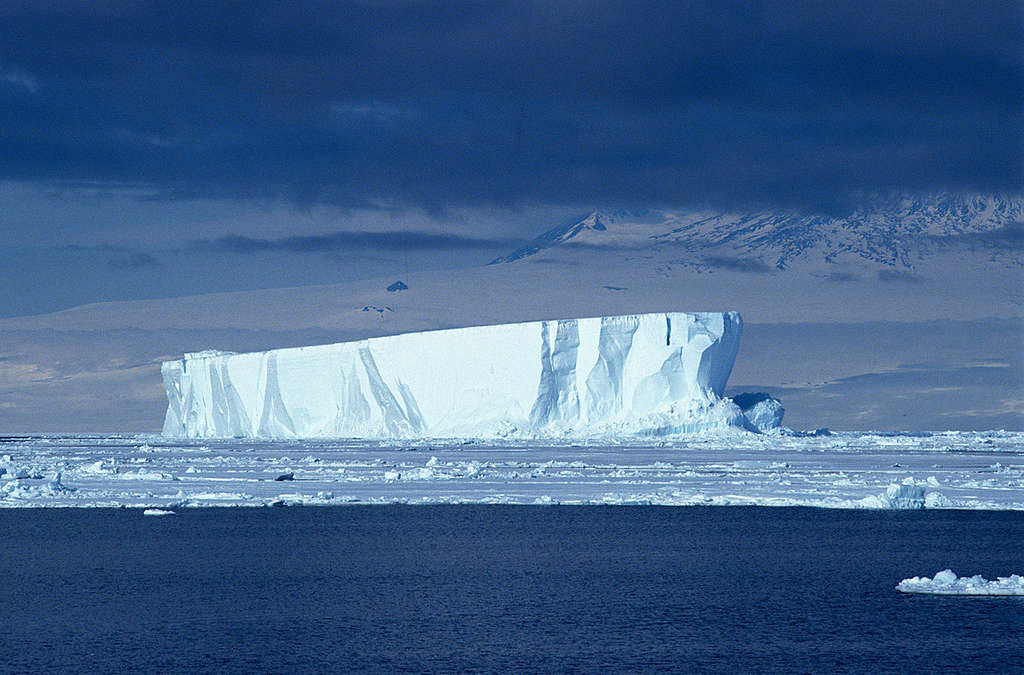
<point>206,354</point>
<point>642,374</point>
<point>947,582</point>
<point>495,329</point>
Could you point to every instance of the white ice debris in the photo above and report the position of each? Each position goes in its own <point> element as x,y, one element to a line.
<point>843,470</point>
<point>157,512</point>
<point>57,485</point>
<point>947,582</point>
<point>648,374</point>
<point>34,489</point>
<point>762,412</point>
<point>908,494</point>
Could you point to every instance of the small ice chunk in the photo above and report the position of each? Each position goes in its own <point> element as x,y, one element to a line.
<point>947,582</point>
<point>762,411</point>
<point>146,474</point>
<point>56,484</point>
<point>906,495</point>
<point>96,468</point>
<point>157,512</point>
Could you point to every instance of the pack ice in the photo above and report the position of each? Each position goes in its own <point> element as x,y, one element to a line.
<point>647,374</point>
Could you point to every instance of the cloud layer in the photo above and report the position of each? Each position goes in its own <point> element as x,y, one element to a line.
<point>408,240</point>
<point>439,104</point>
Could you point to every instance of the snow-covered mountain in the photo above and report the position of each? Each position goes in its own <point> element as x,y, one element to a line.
<point>897,232</point>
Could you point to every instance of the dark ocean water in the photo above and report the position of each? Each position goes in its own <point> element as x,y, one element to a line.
<point>503,588</point>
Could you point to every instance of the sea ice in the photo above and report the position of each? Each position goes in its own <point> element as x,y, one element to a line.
<point>947,582</point>
<point>844,470</point>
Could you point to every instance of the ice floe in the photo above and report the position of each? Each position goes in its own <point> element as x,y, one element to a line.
<point>947,582</point>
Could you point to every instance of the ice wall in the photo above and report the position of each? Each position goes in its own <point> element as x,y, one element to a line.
<point>623,375</point>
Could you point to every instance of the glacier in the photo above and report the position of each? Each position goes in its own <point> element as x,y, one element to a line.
<point>643,374</point>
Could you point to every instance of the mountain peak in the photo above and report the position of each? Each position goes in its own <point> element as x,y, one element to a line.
<point>889,230</point>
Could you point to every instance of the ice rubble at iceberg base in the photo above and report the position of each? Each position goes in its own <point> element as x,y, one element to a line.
<point>847,470</point>
<point>638,375</point>
<point>947,582</point>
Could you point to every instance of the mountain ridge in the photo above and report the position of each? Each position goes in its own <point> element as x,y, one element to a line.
<point>895,232</point>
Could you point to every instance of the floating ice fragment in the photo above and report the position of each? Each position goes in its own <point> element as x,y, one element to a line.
<point>937,500</point>
<point>56,485</point>
<point>18,489</point>
<point>95,468</point>
<point>146,474</point>
<point>946,582</point>
<point>905,495</point>
<point>157,512</point>
<point>762,411</point>
<point>759,464</point>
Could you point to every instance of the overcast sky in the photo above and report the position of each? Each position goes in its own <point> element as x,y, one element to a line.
<point>151,149</point>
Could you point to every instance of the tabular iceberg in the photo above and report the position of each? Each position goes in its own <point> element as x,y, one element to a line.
<point>618,375</point>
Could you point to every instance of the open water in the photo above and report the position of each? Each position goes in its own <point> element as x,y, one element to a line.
<point>503,588</point>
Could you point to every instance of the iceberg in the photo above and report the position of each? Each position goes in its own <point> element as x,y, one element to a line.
<point>644,374</point>
<point>947,582</point>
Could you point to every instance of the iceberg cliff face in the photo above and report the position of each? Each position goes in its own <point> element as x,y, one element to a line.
<point>623,375</point>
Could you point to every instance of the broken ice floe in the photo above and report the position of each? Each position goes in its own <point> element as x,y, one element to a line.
<point>947,582</point>
<point>844,470</point>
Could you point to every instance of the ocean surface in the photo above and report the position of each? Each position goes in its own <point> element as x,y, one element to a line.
<point>503,588</point>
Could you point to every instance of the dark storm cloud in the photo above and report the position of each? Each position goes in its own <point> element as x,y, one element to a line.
<point>457,102</point>
<point>341,241</point>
